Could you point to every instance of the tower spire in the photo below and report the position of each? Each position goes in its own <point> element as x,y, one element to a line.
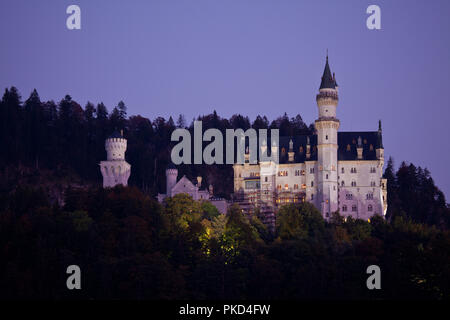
<point>327,79</point>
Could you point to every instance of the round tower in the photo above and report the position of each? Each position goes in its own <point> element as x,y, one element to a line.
<point>115,146</point>
<point>115,170</point>
<point>171,178</point>
<point>327,126</point>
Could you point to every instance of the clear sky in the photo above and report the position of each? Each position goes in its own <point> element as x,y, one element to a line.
<point>245,56</point>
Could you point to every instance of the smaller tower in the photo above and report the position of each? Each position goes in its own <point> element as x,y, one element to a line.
<point>379,147</point>
<point>115,170</point>
<point>291,151</point>
<point>359,149</point>
<point>171,178</point>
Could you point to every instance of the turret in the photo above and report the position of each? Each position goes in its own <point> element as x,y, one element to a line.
<point>171,178</point>
<point>327,98</point>
<point>291,151</point>
<point>115,170</point>
<point>115,146</point>
<point>359,148</point>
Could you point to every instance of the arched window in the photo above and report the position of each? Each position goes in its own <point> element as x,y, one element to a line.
<point>342,183</point>
<point>344,208</point>
<point>369,207</point>
<point>348,147</point>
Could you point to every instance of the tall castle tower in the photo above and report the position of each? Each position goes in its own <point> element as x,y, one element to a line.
<point>327,126</point>
<point>171,178</point>
<point>115,170</point>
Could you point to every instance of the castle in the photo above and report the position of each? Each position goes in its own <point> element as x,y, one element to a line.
<point>335,171</point>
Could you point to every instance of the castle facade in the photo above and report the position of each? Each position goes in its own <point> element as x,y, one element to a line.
<point>335,171</point>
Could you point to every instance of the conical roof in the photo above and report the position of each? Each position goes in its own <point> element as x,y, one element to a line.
<point>327,79</point>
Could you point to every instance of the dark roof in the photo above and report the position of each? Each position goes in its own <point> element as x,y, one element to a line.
<point>347,144</point>
<point>171,166</point>
<point>328,80</point>
<point>115,134</point>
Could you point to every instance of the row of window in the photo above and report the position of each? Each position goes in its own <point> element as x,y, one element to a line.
<point>311,171</point>
<point>296,186</point>
<point>355,208</point>
<point>349,196</point>
<point>353,183</point>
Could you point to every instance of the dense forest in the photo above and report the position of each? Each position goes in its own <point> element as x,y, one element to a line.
<point>53,213</point>
<point>70,140</point>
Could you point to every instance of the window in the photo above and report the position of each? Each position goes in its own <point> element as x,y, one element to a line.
<point>265,179</point>
<point>343,170</point>
<point>354,208</point>
<point>348,147</point>
<point>312,196</point>
<point>369,207</point>
<point>295,186</point>
<point>372,184</point>
<point>353,183</point>
<point>369,196</point>
<point>344,208</point>
<point>286,186</point>
<point>302,172</point>
<point>326,176</point>
<point>349,196</point>
<point>371,147</point>
<point>282,173</point>
<point>373,170</point>
<point>300,149</point>
<point>326,137</point>
<point>311,170</point>
<point>342,183</point>
<point>353,170</point>
<point>312,183</point>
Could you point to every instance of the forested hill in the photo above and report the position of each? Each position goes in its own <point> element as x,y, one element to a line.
<point>66,137</point>
<point>61,144</point>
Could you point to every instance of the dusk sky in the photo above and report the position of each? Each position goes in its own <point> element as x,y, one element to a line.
<point>250,57</point>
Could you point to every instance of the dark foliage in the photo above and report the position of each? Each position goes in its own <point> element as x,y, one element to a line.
<point>130,247</point>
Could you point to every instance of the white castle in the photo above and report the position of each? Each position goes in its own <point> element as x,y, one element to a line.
<point>115,170</point>
<point>336,171</point>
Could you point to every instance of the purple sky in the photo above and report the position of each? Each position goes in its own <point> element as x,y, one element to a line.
<point>248,56</point>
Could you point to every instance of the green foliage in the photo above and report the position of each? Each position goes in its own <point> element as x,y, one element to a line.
<point>299,221</point>
<point>209,210</point>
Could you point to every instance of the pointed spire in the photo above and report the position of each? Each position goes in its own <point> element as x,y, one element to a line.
<point>379,136</point>
<point>328,81</point>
